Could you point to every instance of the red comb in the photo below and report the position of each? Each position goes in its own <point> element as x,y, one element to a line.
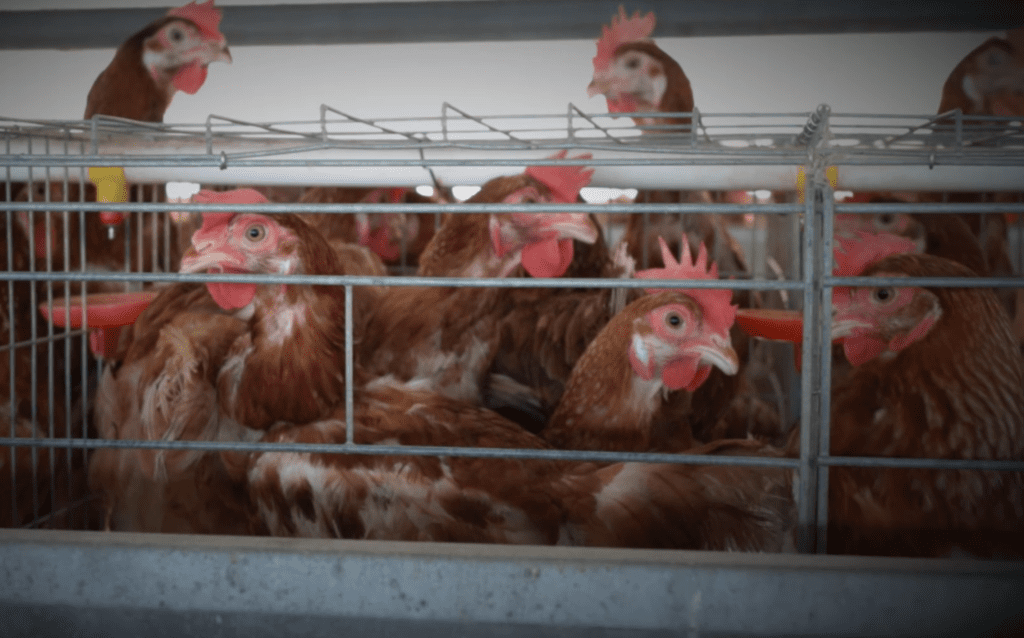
<point>237,196</point>
<point>719,313</point>
<point>204,15</point>
<point>854,254</point>
<point>623,29</point>
<point>215,222</point>
<point>564,182</point>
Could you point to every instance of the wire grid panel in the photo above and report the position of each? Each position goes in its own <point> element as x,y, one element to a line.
<point>733,151</point>
<point>419,151</point>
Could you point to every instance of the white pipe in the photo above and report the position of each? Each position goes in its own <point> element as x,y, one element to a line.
<point>693,171</point>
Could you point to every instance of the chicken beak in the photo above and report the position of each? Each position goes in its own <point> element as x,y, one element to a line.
<point>847,327</point>
<point>214,261</point>
<point>572,226</point>
<point>718,351</point>
<point>212,51</point>
<point>598,86</point>
<point>845,322</point>
<point>224,55</point>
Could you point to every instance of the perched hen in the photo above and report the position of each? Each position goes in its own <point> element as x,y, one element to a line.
<point>165,57</point>
<point>447,337</point>
<point>989,81</point>
<point>937,374</point>
<point>543,339</point>
<point>663,342</point>
<point>221,362</point>
<point>148,69</point>
<point>636,76</point>
<point>460,499</point>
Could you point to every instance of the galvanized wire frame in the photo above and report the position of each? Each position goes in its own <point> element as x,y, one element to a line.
<point>811,141</point>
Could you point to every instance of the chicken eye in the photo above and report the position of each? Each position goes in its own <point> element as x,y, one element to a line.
<point>674,320</point>
<point>255,232</point>
<point>883,295</point>
<point>885,220</point>
<point>175,35</point>
<point>633,63</point>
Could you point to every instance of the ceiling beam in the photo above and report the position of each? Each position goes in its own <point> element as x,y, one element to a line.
<point>505,20</point>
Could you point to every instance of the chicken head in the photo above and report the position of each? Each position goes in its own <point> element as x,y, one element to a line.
<point>239,243</point>
<point>883,320</point>
<point>184,46</point>
<point>697,329</point>
<point>634,74</point>
<point>674,341</point>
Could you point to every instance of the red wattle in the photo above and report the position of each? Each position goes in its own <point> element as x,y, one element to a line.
<point>680,373</point>
<point>625,103</point>
<point>379,241</point>
<point>230,296</point>
<point>548,258</point>
<point>859,350</point>
<point>190,78</point>
<point>698,380</point>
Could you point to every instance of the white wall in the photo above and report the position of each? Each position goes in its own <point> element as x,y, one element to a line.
<point>888,73</point>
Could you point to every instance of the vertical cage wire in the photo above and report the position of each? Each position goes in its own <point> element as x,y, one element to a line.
<point>812,244</point>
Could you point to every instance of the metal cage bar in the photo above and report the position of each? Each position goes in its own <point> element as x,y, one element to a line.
<point>714,581</point>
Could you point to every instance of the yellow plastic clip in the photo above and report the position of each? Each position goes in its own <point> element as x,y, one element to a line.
<point>112,187</point>
<point>831,174</point>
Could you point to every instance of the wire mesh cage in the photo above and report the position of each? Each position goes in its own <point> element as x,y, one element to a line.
<point>789,168</point>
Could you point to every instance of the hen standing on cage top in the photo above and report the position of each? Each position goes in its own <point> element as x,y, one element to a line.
<point>636,76</point>
<point>936,374</point>
<point>167,56</point>
<point>990,81</point>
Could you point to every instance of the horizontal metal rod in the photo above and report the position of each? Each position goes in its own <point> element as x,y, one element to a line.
<point>407,450</point>
<point>931,208</point>
<point>515,453</point>
<point>939,464</point>
<point>470,208</point>
<point>444,282</point>
<point>936,282</point>
<point>457,208</point>
<point>505,20</point>
<point>515,282</point>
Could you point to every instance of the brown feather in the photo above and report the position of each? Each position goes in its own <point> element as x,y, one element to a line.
<point>956,393</point>
<point>125,88</point>
<point>462,499</point>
